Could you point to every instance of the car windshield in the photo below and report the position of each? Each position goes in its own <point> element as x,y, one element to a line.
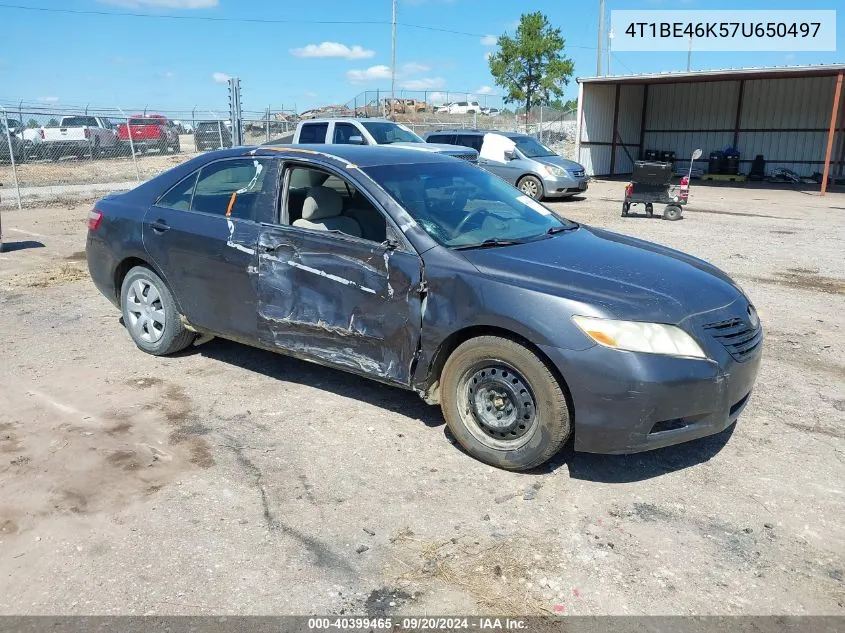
<point>460,205</point>
<point>386,133</point>
<point>207,126</point>
<point>530,147</point>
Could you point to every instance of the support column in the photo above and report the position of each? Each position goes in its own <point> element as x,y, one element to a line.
<point>832,131</point>
<point>615,131</point>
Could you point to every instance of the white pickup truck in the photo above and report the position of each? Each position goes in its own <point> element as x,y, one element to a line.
<point>78,135</point>
<point>349,131</point>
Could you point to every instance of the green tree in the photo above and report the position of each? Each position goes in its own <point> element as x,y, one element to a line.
<point>531,66</point>
<point>566,106</point>
<point>32,123</point>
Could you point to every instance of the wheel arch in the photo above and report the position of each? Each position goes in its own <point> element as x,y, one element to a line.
<point>130,262</point>
<point>431,393</point>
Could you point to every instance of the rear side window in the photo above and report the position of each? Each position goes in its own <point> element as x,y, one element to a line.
<point>470,140</point>
<point>179,196</point>
<point>313,133</point>
<point>243,188</point>
<point>448,139</point>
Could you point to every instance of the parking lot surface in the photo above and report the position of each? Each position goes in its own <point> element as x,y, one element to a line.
<point>232,480</point>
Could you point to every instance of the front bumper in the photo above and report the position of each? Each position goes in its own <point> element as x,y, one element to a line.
<point>562,186</point>
<point>627,402</point>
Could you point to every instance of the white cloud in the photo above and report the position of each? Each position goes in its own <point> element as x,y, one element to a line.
<point>48,99</point>
<point>164,4</point>
<point>310,94</point>
<point>370,74</point>
<point>412,68</point>
<point>332,49</point>
<point>488,55</point>
<point>220,78</point>
<point>489,40</point>
<point>484,90</point>
<point>426,83</point>
<point>169,74</point>
<point>437,97</point>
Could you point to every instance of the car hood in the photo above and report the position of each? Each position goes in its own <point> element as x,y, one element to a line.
<point>439,148</point>
<point>613,275</point>
<point>558,161</point>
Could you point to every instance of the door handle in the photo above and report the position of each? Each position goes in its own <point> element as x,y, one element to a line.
<point>159,226</point>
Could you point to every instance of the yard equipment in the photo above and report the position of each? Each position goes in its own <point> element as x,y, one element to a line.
<point>650,183</point>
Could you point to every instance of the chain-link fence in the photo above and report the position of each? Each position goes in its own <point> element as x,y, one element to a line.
<point>47,151</point>
<point>50,152</point>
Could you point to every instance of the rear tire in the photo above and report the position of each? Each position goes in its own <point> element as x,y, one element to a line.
<point>150,314</point>
<point>672,212</point>
<point>503,404</point>
<point>626,206</point>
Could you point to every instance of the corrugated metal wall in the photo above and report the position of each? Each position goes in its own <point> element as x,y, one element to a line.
<point>684,116</point>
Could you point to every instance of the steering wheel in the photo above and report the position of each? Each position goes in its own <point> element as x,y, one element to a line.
<point>477,212</point>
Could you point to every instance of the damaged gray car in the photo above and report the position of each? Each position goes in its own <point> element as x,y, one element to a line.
<point>427,273</point>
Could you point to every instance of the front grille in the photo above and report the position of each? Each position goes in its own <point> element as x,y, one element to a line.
<point>578,173</point>
<point>472,158</point>
<point>738,337</point>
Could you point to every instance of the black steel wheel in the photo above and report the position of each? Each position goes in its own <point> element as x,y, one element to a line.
<point>503,403</point>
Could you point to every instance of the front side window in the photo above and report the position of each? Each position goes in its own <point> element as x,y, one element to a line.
<point>313,133</point>
<point>343,132</point>
<point>530,147</point>
<point>243,188</point>
<point>462,206</point>
<point>386,132</point>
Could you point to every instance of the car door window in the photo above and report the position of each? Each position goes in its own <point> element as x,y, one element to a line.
<point>179,196</point>
<point>343,132</point>
<point>320,201</point>
<point>313,133</point>
<point>243,188</point>
<point>470,140</point>
<point>448,139</point>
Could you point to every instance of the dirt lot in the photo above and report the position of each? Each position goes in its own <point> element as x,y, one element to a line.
<point>233,480</point>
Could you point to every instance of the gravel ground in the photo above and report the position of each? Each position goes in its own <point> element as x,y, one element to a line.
<point>232,480</point>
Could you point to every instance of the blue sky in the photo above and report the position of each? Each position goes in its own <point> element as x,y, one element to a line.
<point>131,61</point>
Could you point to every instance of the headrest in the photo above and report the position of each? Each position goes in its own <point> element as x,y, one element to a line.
<point>321,203</point>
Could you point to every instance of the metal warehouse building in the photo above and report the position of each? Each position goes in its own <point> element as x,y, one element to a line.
<point>793,116</point>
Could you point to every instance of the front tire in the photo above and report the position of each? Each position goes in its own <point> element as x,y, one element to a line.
<point>503,404</point>
<point>531,187</point>
<point>150,314</point>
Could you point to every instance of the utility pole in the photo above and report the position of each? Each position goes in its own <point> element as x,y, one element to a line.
<point>601,38</point>
<point>393,63</point>
<point>689,54</point>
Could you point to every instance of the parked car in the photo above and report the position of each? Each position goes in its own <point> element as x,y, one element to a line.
<point>491,111</point>
<point>212,135</point>
<point>17,146</point>
<point>460,107</point>
<point>150,131</point>
<point>429,274</point>
<point>183,127</point>
<point>370,132</point>
<point>78,135</point>
<point>520,160</point>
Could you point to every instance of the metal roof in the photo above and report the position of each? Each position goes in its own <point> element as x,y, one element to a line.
<point>722,74</point>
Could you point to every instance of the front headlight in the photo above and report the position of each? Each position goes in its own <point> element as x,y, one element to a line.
<point>551,170</point>
<point>636,336</point>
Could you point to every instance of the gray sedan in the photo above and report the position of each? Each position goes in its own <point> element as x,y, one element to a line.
<point>424,272</point>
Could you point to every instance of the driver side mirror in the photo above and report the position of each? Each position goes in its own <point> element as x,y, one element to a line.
<point>510,154</point>
<point>356,139</point>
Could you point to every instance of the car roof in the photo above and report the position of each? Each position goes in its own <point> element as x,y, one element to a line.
<point>327,119</point>
<point>470,132</point>
<point>360,155</point>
